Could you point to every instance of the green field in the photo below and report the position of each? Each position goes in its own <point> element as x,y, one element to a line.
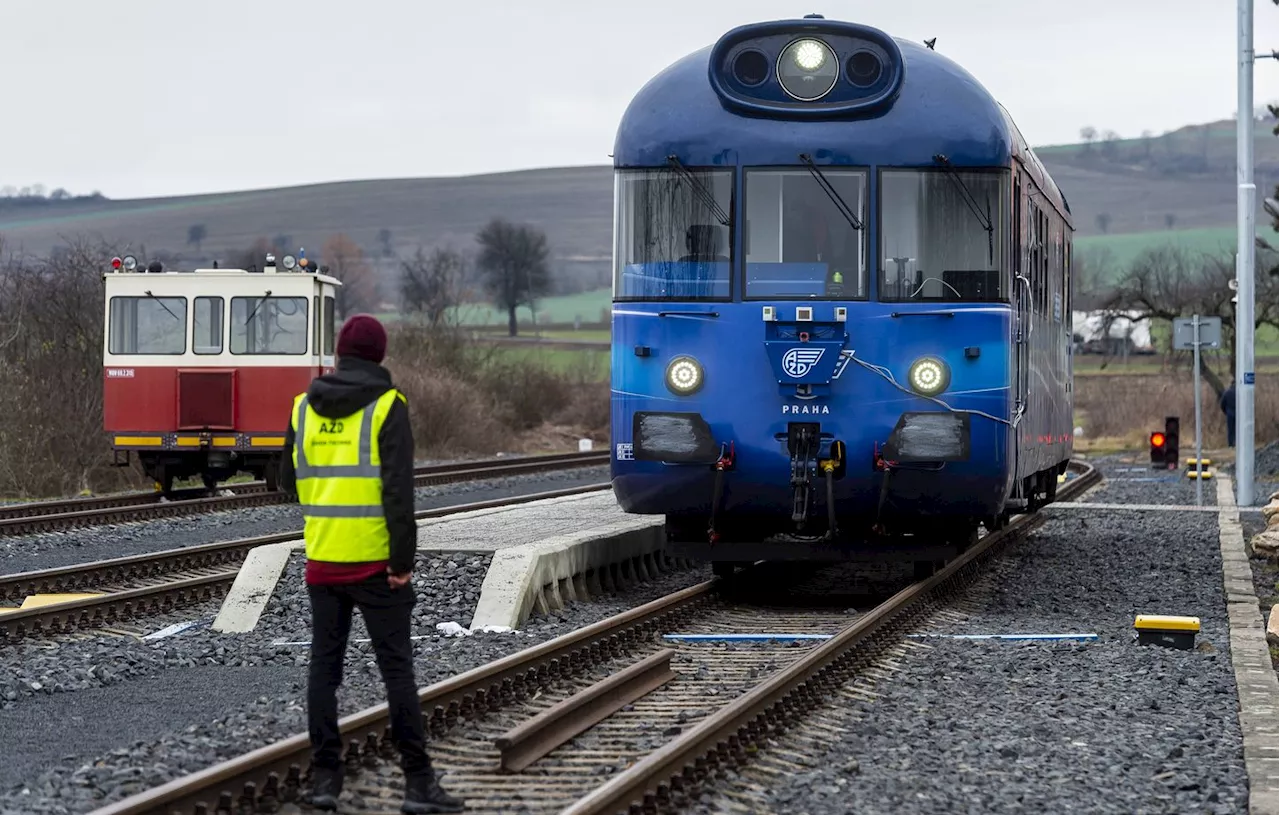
<point>589,307</point>
<point>1122,249</point>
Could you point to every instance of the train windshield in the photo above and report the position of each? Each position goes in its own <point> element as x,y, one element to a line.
<point>942,235</point>
<point>148,325</point>
<point>269,325</point>
<point>673,242</point>
<point>798,242</point>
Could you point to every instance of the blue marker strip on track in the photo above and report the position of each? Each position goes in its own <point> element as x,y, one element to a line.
<point>1029,637</point>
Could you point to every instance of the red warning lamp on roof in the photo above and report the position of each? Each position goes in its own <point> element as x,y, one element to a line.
<point>116,263</point>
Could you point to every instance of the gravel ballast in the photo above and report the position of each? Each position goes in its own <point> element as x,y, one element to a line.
<point>262,680</point>
<point>49,550</point>
<point>1108,726</point>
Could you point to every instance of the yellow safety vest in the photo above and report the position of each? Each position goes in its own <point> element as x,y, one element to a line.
<point>339,476</point>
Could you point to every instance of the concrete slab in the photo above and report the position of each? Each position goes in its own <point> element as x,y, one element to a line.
<point>554,522</point>
<point>490,530</point>
<point>254,586</point>
<point>545,574</point>
<point>1256,682</point>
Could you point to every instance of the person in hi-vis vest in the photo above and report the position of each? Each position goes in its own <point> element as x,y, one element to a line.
<point>348,456</point>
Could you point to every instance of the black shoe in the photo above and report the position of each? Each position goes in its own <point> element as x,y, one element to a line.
<point>326,786</point>
<point>423,795</point>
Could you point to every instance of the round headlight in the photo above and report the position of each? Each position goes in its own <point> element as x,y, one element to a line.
<point>929,376</point>
<point>807,69</point>
<point>130,263</point>
<point>289,262</point>
<point>684,375</point>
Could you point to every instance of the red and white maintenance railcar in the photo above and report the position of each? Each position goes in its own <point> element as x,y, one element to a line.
<point>200,368</point>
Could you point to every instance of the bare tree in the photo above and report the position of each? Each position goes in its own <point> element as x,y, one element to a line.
<point>1104,221</point>
<point>431,285</point>
<point>384,238</point>
<point>1110,145</point>
<point>514,261</point>
<point>1169,220</point>
<point>51,332</point>
<point>1087,135</point>
<point>196,233</point>
<point>346,261</point>
<point>1171,282</point>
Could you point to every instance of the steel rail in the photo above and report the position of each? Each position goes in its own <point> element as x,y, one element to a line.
<point>731,730</point>
<point>271,774</point>
<point>25,518</point>
<point>264,778</point>
<point>113,605</point>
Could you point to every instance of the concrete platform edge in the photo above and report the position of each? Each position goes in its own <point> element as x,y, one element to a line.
<point>1256,683</point>
<point>253,587</point>
<point>548,573</point>
<point>454,517</point>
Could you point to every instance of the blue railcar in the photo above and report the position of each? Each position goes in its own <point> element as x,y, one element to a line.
<point>841,281</point>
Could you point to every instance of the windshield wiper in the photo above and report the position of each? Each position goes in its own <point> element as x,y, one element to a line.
<point>831,192</point>
<point>701,191</point>
<point>162,305</point>
<point>261,302</point>
<point>972,203</point>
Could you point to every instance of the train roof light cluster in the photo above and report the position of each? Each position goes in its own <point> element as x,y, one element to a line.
<point>129,265</point>
<point>806,68</point>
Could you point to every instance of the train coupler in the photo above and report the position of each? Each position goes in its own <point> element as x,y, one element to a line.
<point>803,441</point>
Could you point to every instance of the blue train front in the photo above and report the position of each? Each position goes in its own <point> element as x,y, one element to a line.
<point>840,277</point>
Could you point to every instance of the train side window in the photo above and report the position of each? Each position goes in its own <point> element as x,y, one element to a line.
<point>269,325</point>
<point>206,328</point>
<point>1036,249</point>
<point>148,325</point>
<point>329,333</point>
<point>315,328</point>
<point>1066,284</point>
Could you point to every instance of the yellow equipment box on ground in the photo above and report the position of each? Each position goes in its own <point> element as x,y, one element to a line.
<point>1172,632</point>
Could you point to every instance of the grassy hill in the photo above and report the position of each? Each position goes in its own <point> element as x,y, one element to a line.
<point>1186,178</point>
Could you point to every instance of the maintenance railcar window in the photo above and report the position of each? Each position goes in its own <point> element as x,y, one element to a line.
<point>674,234</point>
<point>269,325</point>
<point>328,326</point>
<point>943,235</point>
<point>206,329</point>
<point>148,325</point>
<point>800,242</point>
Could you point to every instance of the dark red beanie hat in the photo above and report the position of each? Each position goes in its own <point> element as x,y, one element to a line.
<point>363,337</point>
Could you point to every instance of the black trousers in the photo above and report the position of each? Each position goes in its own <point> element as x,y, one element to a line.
<point>387,614</point>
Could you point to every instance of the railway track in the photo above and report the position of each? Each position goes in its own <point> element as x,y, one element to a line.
<point>42,516</point>
<point>129,588</point>
<point>611,718</point>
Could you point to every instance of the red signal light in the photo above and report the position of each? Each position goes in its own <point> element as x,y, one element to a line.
<point>116,263</point>
<point>1157,440</point>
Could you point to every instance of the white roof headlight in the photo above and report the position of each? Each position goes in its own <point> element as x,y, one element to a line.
<point>807,69</point>
<point>684,375</point>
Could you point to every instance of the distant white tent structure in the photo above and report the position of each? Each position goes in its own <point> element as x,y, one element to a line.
<point>1111,332</point>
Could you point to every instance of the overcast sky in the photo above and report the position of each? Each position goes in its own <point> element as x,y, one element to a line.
<point>162,97</point>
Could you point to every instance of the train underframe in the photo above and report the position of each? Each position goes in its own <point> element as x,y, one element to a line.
<point>212,467</point>
<point>904,512</point>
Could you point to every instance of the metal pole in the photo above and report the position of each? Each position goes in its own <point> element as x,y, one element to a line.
<point>1195,339</point>
<point>1244,255</point>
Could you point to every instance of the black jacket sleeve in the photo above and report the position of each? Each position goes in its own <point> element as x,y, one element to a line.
<point>395,445</point>
<point>288,478</point>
